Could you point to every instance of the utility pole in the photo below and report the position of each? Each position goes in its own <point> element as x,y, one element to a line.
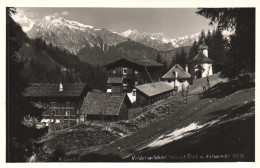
<point>148,74</point>
<point>67,105</point>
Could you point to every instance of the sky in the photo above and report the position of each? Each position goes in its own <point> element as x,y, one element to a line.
<point>173,22</point>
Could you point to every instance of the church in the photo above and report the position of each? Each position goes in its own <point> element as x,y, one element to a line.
<point>201,63</point>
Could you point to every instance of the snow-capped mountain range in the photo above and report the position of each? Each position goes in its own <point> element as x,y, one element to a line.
<point>73,35</point>
<point>159,40</point>
<point>24,21</point>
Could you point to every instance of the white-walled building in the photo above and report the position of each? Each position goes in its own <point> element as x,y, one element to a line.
<point>177,77</point>
<point>202,65</point>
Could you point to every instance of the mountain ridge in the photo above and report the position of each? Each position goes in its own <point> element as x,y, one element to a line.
<point>87,34</point>
<point>96,46</point>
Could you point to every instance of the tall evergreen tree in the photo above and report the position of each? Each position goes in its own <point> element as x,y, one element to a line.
<point>193,50</point>
<point>181,58</point>
<point>158,58</point>
<point>218,50</point>
<point>241,57</point>
<point>19,136</point>
<point>208,39</point>
<point>202,37</point>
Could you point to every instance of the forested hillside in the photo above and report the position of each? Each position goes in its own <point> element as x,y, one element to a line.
<point>48,64</point>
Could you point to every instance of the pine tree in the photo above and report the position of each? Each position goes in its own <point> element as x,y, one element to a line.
<point>193,50</point>
<point>181,58</point>
<point>241,56</point>
<point>19,136</point>
<point>218,50</point>
<point>174,58</point>
<point>158,58</point>
<point>202,37</point>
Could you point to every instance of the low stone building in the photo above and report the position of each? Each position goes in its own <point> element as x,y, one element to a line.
<point>149,93</point>
<point>100,105</point>
<point>177,77</point>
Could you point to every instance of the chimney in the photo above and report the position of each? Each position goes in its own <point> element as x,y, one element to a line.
<point>176,74</point>
<point>186,68</point>
<point>61,87</point>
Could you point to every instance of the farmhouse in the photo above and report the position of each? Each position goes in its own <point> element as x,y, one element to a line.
<point>202,65</point>
<point>61,101</point>
<point>125,73</point>
<point>149,93</point>
<point>104,106</point>
<point>177,77</point>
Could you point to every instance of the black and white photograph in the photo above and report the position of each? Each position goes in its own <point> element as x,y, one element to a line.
<point>130,84</point>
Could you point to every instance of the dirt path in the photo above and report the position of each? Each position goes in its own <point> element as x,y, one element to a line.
<point>199,111</point>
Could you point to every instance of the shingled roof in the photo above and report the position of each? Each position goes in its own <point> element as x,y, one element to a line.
<point>152,89</point>
<point>140,62</point>
<point>181,73</point>
<point>52,90</point>
<point>200,58</point>
<point>102,103</point>
<point>115,80</point>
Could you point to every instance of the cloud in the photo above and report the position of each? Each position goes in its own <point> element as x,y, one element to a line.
<point>65,13</point>
<point>56,14</point>
<point>25,12</point>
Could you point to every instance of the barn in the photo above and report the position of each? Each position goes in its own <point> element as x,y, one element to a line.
<point>100,105</point>
<point>149,93</point>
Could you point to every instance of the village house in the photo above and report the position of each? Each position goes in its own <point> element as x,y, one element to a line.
<point>202,65</point>
<point>61,101</point>
<point>100,105</point>
<point>125,73</point>
<point>177,77</point>
<point>149,93</point>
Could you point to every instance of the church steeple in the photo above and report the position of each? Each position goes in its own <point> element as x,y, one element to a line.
<point>203,48</point>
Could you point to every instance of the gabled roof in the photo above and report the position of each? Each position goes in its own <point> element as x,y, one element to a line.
<point>115,80</point>
<point>181,73</point>
<point>102,103</point>
<point>140,62</point>
<point>52,90</point>
<point>201,58</point>
<point>152,89</point>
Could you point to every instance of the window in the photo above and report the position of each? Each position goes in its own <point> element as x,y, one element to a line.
<point>53,112</point>
<point>114,71</point>
<point>136,72</point>
<point>124,71</point>
<point>134,92</point>
<point>180,80</point>
<point>108,86</point>
<point>169,80</point>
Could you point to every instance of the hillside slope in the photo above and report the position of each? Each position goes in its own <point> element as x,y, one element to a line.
<point>194,117</point>
<point>166,122</point>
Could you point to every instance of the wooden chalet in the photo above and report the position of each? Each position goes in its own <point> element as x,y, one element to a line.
<point>125,73</point>
<point>149,93</point>
<point>61,101</point>
<point>104,106</point>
